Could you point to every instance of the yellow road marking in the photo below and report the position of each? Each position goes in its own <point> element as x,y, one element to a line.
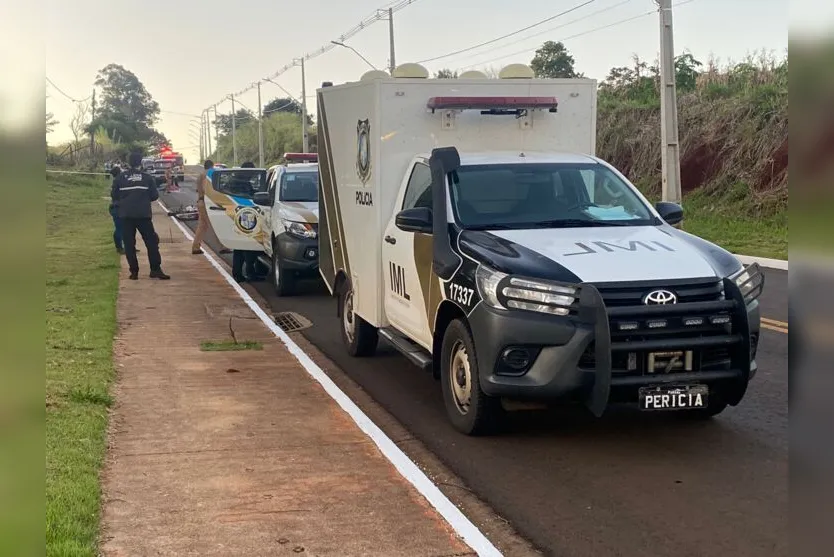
<point>774,325</point>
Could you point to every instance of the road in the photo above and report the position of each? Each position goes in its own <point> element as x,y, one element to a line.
<point>627,484</point>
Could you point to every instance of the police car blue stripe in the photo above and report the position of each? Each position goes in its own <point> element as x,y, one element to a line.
<point>242,201</point>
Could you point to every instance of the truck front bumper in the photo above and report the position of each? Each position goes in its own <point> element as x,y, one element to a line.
<point>300,255</point>
<point>586,356</point>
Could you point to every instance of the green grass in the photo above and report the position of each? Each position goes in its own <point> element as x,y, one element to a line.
<point>229,345</point>
<point>81,287</point>
<point>728,222</point>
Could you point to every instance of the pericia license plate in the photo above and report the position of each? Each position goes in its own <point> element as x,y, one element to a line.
<point>673,397</point>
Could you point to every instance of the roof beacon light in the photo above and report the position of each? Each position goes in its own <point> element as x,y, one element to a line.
<point>493,105</point>
<point>301,157</point>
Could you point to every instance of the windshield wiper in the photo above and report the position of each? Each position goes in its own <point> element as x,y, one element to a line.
<point>492,227</point>
<point>568,223</point>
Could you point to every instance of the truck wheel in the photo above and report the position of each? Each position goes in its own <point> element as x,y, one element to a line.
<point>470,410</point>
<point>282,281</point>
<point>359,336</point>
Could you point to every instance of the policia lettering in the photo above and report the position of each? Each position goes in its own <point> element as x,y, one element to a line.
<point>398,280</point>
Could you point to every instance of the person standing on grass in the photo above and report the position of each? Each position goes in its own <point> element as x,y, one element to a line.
<point>202,219</point>
<point>133,193</point>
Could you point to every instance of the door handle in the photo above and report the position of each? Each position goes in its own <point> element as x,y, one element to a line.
<point>391,240</point>
<point>216,208</point>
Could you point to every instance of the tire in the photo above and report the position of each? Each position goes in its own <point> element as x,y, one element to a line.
<point>359,336</point>
<point>471,411</point>
<point>282,281</point>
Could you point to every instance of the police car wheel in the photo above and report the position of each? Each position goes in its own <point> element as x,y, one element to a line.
<point>359,336</point>
<point>282,281</point>
<point>471,411</point>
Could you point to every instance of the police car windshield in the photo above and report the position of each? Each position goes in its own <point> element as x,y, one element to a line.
<point>299,186</point>
<point>544,195</point>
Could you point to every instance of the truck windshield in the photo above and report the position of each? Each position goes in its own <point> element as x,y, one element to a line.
<point>299,186</point>
<point>547,195</point>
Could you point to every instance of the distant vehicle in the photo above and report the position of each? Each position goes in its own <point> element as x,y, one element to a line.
<point>147,164</point>
<point>220,165</point>
<point>159,168</point>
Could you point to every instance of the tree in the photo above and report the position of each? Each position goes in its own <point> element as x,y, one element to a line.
<point>553,60</point>
<point>79,122</point>
<point>125,99</point>
<point>51,122</point>
<point>446,73</point>
<point>223,123</point>
<point>282,104</point>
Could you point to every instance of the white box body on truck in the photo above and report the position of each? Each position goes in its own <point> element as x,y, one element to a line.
<point>470,224</point>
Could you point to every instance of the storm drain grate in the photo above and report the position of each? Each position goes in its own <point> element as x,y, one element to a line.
<point>290,321</point>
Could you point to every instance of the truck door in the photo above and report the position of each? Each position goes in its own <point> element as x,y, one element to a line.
<point>406,262</point>
<point>234,217</point>
<point>268,212</point>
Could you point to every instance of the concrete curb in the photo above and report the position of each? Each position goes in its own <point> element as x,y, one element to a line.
<point>780,264</point>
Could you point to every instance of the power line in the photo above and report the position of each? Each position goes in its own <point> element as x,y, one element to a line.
<point>516,32</point>
<point>378,15</point>
<point>616,23</point>
<point>62,92</point>
<point>551,29</point>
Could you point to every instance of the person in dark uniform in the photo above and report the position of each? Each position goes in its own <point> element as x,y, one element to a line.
<point>133,193</point>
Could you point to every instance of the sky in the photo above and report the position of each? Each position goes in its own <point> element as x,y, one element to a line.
<point>190,54</point>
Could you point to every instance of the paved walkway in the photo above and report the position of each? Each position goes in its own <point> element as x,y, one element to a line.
<point>239,453</point>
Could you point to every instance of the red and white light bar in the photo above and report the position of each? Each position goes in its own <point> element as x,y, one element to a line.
<point>492,103</point>
<point>301,157</point>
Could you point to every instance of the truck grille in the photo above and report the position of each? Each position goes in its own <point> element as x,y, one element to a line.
<point>698,322</point>
<point>699,290</point>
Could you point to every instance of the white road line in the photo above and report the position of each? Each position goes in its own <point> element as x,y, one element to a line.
<point>407,467</point>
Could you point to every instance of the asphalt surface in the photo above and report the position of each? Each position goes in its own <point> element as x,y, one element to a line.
<point>626,484</point>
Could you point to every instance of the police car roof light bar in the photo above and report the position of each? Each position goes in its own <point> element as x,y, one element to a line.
<point>301,157</point>
<point>492,103</point>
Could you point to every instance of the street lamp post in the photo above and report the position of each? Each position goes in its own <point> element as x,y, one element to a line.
<point>338,43</point>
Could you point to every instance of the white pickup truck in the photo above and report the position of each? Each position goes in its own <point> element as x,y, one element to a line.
<point>469,223</point>
<point>271,214</point>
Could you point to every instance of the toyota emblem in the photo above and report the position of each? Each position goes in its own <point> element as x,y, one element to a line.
<point>660,297</point>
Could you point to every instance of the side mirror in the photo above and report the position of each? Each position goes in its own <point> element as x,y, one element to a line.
<point>262,198</point>
<point>672,213</point>
<point>417,219</point>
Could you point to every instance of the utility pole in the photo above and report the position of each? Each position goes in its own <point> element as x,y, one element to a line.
<point>393,64</point>
<point>670,156</point>
<point>208,133</point>
<point>305,140</point>
<point>234,133</point>
<point>92,130</point>
<point>215,122</point>
<point>260,130</point>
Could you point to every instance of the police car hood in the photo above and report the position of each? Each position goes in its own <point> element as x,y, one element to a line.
<point>299,211</point>
<point>602,254</point>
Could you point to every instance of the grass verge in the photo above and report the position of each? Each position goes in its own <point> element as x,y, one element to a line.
<point>727,221</point>
<point>229,345</point>
<point>82,270</point>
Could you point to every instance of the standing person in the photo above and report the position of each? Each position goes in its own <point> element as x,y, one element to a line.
<point>202,220</point>
<point>134,191</point>
<point>114,213</point>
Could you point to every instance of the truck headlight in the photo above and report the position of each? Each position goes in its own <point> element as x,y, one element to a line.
<point>750,281</point>
<point>501,291</point>
<point>301,229</point>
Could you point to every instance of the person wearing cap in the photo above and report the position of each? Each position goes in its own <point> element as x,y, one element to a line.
<point>133,192</point>
<point>203,218</point>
